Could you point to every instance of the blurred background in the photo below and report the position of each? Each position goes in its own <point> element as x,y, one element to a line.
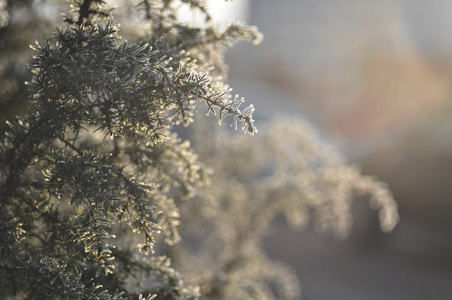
<point>375,78</point>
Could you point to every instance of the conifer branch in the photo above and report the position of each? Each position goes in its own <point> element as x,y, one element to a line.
<point>84,11</point>
<point>94,179</point>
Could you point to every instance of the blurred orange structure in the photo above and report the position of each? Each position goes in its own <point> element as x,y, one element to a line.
<point>375,77</point>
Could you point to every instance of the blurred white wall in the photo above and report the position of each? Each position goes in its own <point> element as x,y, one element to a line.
<point>375,78</point>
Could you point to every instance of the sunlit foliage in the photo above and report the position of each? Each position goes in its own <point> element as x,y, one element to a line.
<point>99,197</point>
<point>95,159</point>
<point>284,171</point>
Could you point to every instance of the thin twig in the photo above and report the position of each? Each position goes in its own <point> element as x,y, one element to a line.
<point>84,11</point>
